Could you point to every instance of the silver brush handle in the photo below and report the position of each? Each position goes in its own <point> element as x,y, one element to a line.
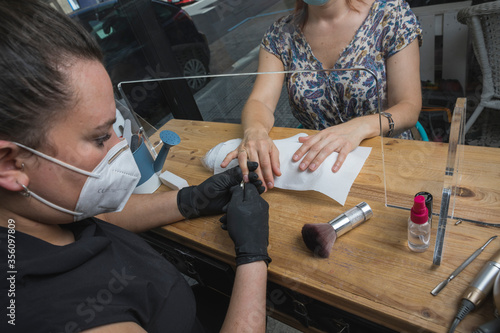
<point>351,219</point>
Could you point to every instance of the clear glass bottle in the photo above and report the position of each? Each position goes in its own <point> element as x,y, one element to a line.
<point>419,229</point>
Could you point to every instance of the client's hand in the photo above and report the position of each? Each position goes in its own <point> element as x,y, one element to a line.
<point>212,196</point>
<point>342,138</point>
<point>247,223</point>
<point>257,146</point>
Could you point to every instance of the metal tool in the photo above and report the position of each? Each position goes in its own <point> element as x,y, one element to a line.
<point>351,218</point>
<point>460,268</point>
<point>478,290</point>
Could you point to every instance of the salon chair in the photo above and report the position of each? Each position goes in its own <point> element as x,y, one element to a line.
<point>483,22</point>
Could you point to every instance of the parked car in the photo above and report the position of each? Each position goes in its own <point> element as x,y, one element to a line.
<point>110,23</point>
<point>180,2</point>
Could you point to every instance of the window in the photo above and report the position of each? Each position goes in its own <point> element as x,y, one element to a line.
<point>155,38</point>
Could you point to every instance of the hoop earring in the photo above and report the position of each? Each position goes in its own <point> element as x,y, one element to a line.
<point>25,193</point>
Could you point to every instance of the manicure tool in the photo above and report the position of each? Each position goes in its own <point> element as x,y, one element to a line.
<point>478,290</point>
<point>460,268</point>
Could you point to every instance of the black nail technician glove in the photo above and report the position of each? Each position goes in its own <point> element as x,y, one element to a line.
<point>247,223</point>
<point>212,196</point>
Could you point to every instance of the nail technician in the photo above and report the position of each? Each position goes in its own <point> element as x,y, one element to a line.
<point>380,35</point>
<point>61,164</point>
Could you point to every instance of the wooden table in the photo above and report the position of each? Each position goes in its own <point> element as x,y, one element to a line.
<point>414,166</point>
<point>371,272</point>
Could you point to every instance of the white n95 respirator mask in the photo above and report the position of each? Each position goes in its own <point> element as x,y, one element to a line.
<point>107,188</point>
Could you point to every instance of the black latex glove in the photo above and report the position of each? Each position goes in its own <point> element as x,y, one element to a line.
<point>247,223</point>
<point>212,196</point>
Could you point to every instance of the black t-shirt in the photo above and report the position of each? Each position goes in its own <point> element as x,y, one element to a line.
<point>107,275</point>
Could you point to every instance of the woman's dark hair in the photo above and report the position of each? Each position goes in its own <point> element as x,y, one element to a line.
<point>300,13</point>
<point>37,45</point>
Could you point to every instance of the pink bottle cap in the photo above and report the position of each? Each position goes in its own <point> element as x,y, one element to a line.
<point>419,213</point>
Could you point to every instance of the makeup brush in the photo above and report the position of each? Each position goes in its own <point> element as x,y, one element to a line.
<point>319,237</point>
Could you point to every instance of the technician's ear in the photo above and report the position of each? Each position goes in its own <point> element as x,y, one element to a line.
<point>12,174</point>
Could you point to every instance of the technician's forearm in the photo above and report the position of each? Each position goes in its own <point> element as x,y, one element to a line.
<point>146,211</point>
<point>247,308</point>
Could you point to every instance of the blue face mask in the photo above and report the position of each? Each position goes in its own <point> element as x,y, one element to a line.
<point>316,2</point>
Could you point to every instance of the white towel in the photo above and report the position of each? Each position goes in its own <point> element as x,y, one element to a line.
<point>335,185</point>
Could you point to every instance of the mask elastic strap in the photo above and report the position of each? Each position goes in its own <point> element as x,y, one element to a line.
<point>29,193</point>
<point>54,160</point>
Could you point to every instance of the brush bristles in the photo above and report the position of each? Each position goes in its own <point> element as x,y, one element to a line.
<point>319,238</point>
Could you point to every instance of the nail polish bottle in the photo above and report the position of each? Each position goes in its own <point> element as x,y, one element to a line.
<point>419,229</point>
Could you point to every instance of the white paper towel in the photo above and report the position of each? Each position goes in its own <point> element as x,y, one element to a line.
<point>335,185</point>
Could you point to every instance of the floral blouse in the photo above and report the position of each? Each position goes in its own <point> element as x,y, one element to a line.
<point>321,99</point>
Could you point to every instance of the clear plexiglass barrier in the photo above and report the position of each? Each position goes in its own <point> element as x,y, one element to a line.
<point>454,174</point>
<point>457,176</point>
<point>428,168</point>
<point>222,98</point>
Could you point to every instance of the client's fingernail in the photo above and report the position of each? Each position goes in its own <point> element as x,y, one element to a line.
<point>312,166</point>
<point>270,185</point>
<point>295,157</point>
<point>245,178</point>
<point>302,166</point>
